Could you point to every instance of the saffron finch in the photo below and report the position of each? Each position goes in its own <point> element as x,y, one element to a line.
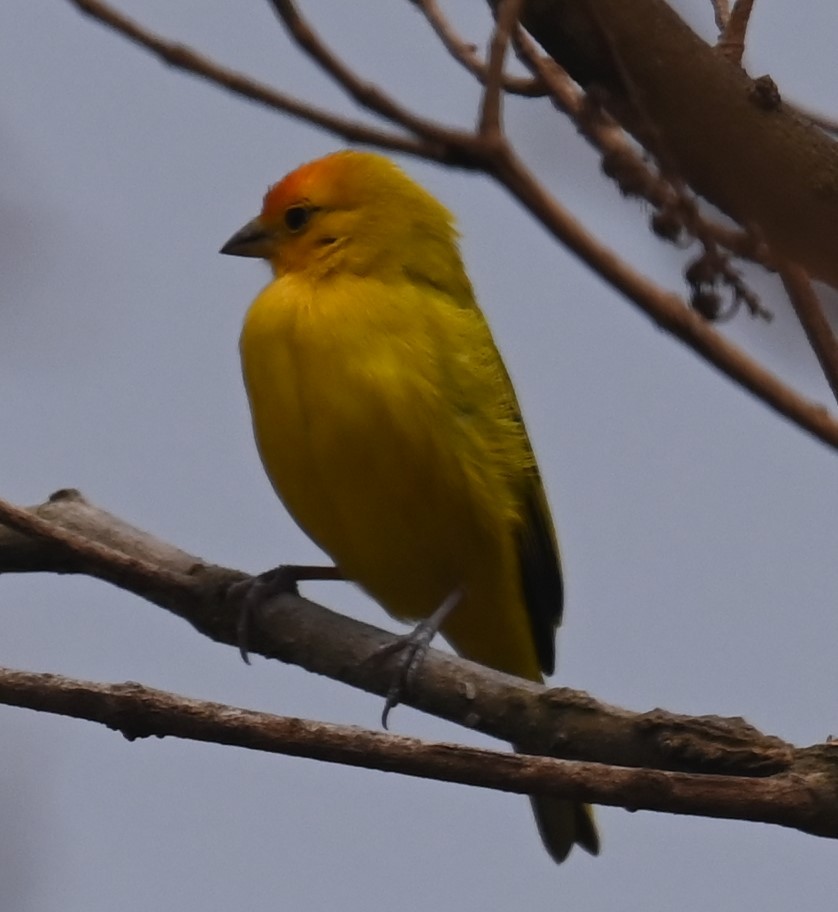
<point>388,425</point>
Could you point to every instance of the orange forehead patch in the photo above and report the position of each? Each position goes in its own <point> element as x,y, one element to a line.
<point>303,184</point>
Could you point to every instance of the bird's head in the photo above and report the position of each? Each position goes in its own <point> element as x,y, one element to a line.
<point>351,211</point>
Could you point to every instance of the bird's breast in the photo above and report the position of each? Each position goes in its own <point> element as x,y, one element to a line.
<point>373,451</point>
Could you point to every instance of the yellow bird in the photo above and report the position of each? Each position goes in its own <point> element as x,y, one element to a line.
<point>388,426</point>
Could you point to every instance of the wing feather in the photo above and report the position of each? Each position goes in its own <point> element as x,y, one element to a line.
<point>541,573</point>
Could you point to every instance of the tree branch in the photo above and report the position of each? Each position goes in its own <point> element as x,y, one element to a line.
<point>721,12</point>
<point>560,722</point>
<point>366,94</point>
<point>731,42</point>
<point>490,127</point>
<point>665,308</point>
<point>622,160</point>
<point>185,58</point>
<point>813,320</point>
<point>654,70</point>
<point>466,55</point>
<point>799,799</point>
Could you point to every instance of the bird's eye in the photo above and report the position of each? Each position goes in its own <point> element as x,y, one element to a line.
<point>296,217</point>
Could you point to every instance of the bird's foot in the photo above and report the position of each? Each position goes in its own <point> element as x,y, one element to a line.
<point>251,593</point>
<point>411,649</point>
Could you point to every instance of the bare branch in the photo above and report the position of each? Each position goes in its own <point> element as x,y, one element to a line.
<point>826,122</point>
<point>184,58</point>
<point>697,765</point>
<point>370,96</point>
<point>644,51</point>
<point>621,159</point>
<point>466,55</point>
<point>798,800</point>
<point>813,320</point>
<point>490,127</point>
<point>731,42</point>
<point>125,568</point>
<point>298,631</point>
<point>721,11</point>
<point>665,308</point>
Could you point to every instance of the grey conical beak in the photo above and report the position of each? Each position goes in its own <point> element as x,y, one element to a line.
<point>251,241</point>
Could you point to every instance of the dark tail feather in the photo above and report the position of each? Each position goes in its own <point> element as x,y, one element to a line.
<point>562,824</point>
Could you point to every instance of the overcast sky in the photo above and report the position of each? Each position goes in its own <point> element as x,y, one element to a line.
<point>698,528</point>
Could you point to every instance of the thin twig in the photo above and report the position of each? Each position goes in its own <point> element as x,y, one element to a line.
<point>621,158</point>
<point>813,320</point>
<point>489,122</point>
<point>731,42</point>
<point>184,58</point>
<point>466,55</point>
<point>666,309</point>
<point>721,11</point>
<point>370,96</point>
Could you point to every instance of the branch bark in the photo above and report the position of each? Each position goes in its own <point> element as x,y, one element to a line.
<point>796,799</point>
<point>812,318</point>
<point>703,116</point>
<point>777,782</point>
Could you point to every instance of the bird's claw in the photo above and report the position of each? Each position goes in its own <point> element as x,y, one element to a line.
<point>412,648</point>
<point>248,594</point>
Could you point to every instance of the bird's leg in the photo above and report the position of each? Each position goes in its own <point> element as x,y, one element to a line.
<point>256,590</point>
<point>412,648</point>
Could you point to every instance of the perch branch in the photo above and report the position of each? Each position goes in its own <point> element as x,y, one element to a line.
<point>557,722</point>
<point>140,712</point>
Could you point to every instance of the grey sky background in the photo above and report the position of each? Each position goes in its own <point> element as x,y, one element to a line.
<point>698,529</point>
